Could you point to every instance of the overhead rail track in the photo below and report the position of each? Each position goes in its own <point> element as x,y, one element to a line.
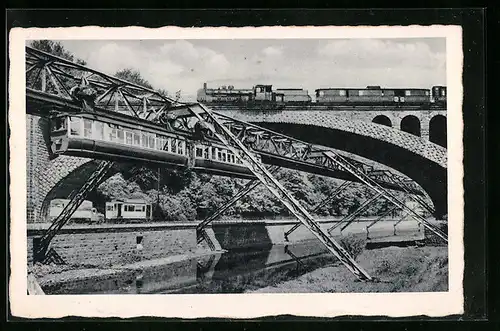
<point>235,144</point>
<point>56,84</point>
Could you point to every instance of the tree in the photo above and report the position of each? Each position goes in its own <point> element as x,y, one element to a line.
<point>133,76</point>
<point>57,49</point>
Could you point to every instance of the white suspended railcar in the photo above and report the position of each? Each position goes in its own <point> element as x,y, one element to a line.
<point>131,209</point>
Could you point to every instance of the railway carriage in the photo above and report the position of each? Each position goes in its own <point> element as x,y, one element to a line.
<point>372,96</point>
<point>128,210</point>
<point>439,95</point>
<point>218,159</point>
<point>105,137</point>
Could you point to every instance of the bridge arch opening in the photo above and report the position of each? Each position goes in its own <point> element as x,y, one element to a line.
<point>437,130</point>
<point>383,120</point>
<point>411,124</point>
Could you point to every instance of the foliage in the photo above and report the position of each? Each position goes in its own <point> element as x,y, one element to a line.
<point>55,48</point>
<point>353,244</point>
<point>187,196</point>
<point>133,76</point>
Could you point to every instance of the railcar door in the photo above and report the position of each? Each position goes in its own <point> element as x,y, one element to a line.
<point>148,212</point>
<point>88,143</point>
<point>119,207</point>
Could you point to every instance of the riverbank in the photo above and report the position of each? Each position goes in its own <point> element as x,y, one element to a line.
<point>395,269</point>
<point>304,268</point>
<point>55,278</point>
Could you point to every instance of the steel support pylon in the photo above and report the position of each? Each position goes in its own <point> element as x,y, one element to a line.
<point>338,159</point>
<point>339,189</point>
<point>76,199</point>
<point>381,217</point>
<point>351,217</point>
<point>277,189</point>
<point>249,186</point>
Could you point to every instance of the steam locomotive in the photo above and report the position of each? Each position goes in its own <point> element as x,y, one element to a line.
<point>266,96</point>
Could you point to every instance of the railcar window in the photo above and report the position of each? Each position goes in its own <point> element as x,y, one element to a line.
<point>120,136</point>
<point>214,153</point>
<point>427,93</point>
<point>58,123</point>
<point>389,92</point>
<point>129,208</point>
<point>199,151</point>
<point>128,138</point>
<point>219,155</point>
<point>87,128</point>
<point>407,93</point>
<point>321,93</point>
<point>144,140</point>
<point>206,152</point>
<point>151,141</point>
<point>342,93</point>
<point>167,143</point>
<point>112,135</point>
<point>139,208</point>
<point>180,147</point>
<point>443,92</point>
<point>99,130</point>
<point>173,144</point>
<point>75,126</point>
<point>137,139</point>
<point>223,156</point>
<point>109,208</point>
<point>360,93</point>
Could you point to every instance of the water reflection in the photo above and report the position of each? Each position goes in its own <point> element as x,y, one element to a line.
<point>231,272</point>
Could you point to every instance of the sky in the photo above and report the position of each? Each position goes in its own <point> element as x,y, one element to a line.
<point>284,63</point>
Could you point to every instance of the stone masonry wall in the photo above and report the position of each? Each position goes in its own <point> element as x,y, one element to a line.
<point>44,170</point>
<point>107,245</point>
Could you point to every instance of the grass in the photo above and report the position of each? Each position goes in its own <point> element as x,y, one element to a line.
<point>394,269</point>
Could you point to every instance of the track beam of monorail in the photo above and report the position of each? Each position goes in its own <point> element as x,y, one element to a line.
<point>51,80</point>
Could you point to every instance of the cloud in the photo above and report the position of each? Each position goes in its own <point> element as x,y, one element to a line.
<point>173,65</point>
<point>186,64</point>
<point>362,53</point>
<point>272,51</point>
<point>186,54</point>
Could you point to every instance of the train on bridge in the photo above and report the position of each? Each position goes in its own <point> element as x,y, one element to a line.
<point>264,96</point>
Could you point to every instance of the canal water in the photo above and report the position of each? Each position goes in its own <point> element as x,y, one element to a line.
<point>230,272</point>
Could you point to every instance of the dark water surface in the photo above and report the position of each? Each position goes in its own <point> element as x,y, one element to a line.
<point>231,272</point>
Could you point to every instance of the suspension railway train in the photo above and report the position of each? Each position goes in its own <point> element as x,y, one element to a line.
<point>112,137</point>
<point>265,95</point>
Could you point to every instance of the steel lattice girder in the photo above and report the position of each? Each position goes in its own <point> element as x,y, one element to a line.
<point>224,134</point>
<point>342,162</point>
<point>55,76</point>
<point>267,142</point>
